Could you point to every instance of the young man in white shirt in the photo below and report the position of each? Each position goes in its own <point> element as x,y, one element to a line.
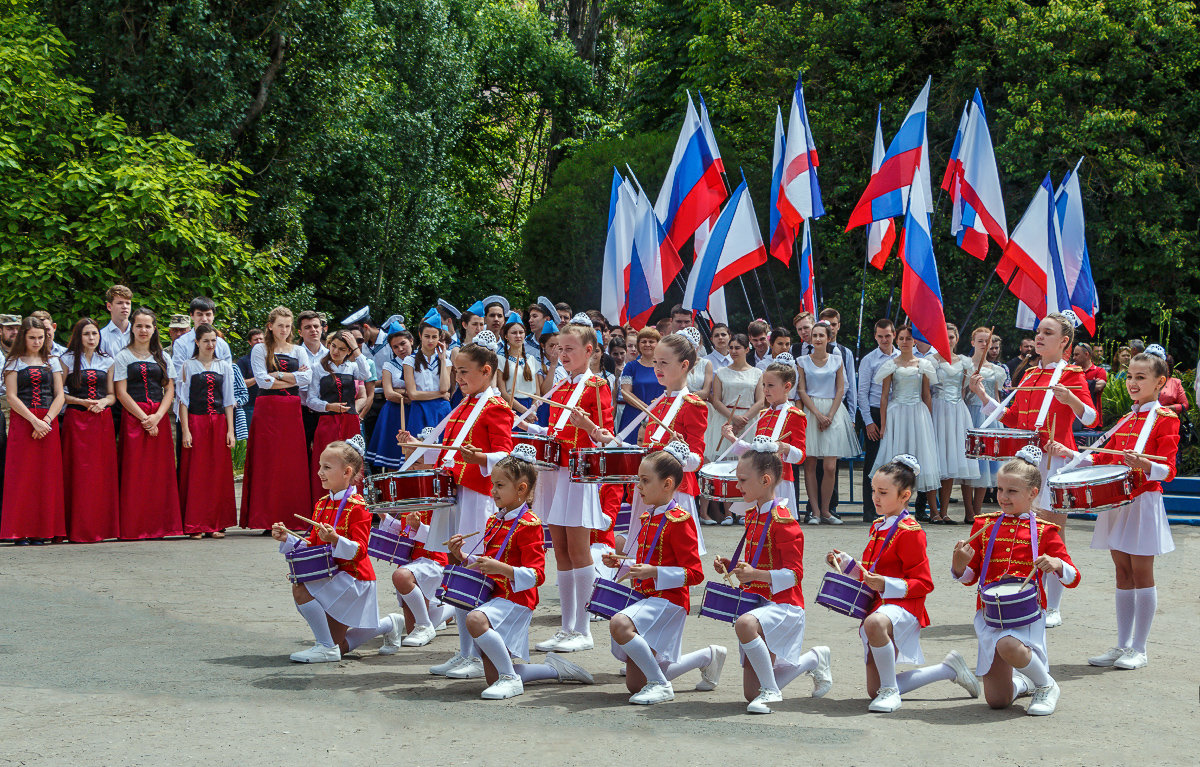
<point>202,310</point>
<point>719,356</point>
<point>114,336</point>
<point>868,404</point>
<point>759,333</point>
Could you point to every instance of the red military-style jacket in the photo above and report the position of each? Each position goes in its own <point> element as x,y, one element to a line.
<point>676,547</point>
<point>354,524</point>
<point>596,402</point>
<point>491,433</point>
<point>690,422</point>
<point>1022,411</point>
<point>783,549</point>
<point>792,433</point>
<point>1012,554</point>
<point>906,558</point>
<point>526,548</point>
<point>1164,441</point>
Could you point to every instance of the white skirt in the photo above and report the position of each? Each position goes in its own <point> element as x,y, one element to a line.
<point>1139,527</point>
<point>571,504</point>
<point>637,505</point>
<point>428,575</point>
<point>511,622</point>
<point>602,570</point>
<point>1049,466</point>
<point>347,600</point>
<point>950,423</point>
<point>783,631</point>
<point>906,635</point>
<point>468,515</point>
<point>987,469</point>
<point>909,430</point>
<point>1032,636</point>
<point>660,623</point>
<point>836,441</point>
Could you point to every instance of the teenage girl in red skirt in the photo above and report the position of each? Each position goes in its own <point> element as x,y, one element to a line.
<point>206,405</point>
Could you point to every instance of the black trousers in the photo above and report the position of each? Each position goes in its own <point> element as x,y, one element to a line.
<point>871,448</point>
<point>310,418</point>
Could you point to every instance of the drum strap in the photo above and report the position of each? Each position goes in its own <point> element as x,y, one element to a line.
<point>437,431</point>
<point>669,418</point>
<point>512,529</point>
<point>1048,396</point>
<point>762,537</point>
<point>338,516</point>
<point>875,556</point>
<point>641,416</point>
<point>987,554</point>
<point>1147,427</point>
<point>533,410</point>
<point>632,543</point>
<point>1078,459</point>
<point>572,402</point>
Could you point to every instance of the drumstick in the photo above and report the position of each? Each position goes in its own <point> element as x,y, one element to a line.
<point>1033,388</point>
<point>468,535</point>
<point>978,533</point>
<point>1107,451</point>
<point>555,404</point>
<point>1028,578</point>
<point>728,422</point>
<point>312,522</point>
<point>642,407</point>
<point>431,446</point>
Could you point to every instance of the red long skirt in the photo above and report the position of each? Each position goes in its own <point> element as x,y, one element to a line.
<point>33,490</point>
<point>149,486</point>
<point>206,477</point>
<point>93,497</point>
<point>276,461</point>
<point>330,428</point>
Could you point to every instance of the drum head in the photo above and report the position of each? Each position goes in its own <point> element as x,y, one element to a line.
<point>1088,475</point>
<point>720,470</point>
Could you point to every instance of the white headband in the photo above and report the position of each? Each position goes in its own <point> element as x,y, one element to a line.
<point>764,444</point>
<point>678,450</point>
<point>1030,454</point>
<point>1157,351</point>
<point>581,319</point>
<point>524,453</point>
<point>485,338</point>
<point>359,445</point>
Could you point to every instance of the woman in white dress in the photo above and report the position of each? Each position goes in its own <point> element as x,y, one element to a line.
<point>994,377</point>
<point>905,414</point>
<point>734,390</point>
<point>821,382</point>
<point>951,419</point>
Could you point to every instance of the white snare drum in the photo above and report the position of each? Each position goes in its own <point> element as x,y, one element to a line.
<point>718,481</point>
<point>1091,488</point>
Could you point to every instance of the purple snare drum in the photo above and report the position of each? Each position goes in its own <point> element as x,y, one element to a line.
<point>610,598</point>
<point>390,547</point>
<point>1006,605</point>
<point>726,603</point>
<point>624,519</point>
<point>845,595</point>
<point>465,588</point>
<point>311,563</point>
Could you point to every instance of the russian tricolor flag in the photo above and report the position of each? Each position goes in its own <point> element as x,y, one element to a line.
<point>808,295</point>
<point>921,293</point>
<point>887,192</point>
<point>973,181</point>
<point>653,265</point>
<point>1077,267</point>
<point>783,235</point>
<point>618,250</point>
<point>734,248</point>
<point>881,235</point>
<point>800,199</point>
<point>693,188</point>
<point>1031,256</point>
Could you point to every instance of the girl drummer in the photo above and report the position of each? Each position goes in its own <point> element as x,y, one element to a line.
<point>573,509</point>
<point>782,423</point>
<point>514,559</point>
<point>481,428</point>
<point>341,610</point>
<point>1136,532</point>
<point>1049,399</point>
<point>648,635</point>
<point>771,636</point>
<point>895,564</point>
<point>1015,544</point>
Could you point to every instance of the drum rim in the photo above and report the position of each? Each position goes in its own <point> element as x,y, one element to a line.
<point>410,473</point>
<point>1004,432</point>
<point>709,475</point>
<point>1114,472</point>
<point>621,449</point>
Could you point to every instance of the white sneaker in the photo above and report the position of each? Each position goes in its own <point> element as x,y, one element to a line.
<point>472,668</point>
<point>710,675</point>
<point>568,671</point>
<point>831,520</point>
<point>1045,700</point>
<point>441,626</point>
<point>391,641</point>
<point>318,653</point>
<point>1029,685</point>
<point>815,519</point>
<point>1130,660</point>
<point>420,636</point>
<point>553,642</point>
<point>963,677</point>
<point>575,642</point>
<point>823,674</point>
<point>1109,658</point>
<point>761,703</point>
<point>442,669</point>
<point>1053,617</point>
<point>507,686</point>
<point>886,700</point>
<point>653,692</point>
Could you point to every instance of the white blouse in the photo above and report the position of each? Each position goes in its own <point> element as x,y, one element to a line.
<point>125,357</point>
<point>312,393</point>
<point>258,365</point>
<point>191,366</point>
<point>820,382</point>
<point>429,378</point>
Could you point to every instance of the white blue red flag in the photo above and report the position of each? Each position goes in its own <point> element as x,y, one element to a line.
<point>710,137</point>
<point>1031,258</point>
<point>973,181</point>
<point>887,192</point>
<point>881,235</point>
<point>618,250</point>
<point>734,247</point>
<point>783,234</point>
<point>800,199</point>
<point>920,292</point>
<point>653,265</point>
<point>1077,267</point>
<point>693,188</point>
<point>808,293</point>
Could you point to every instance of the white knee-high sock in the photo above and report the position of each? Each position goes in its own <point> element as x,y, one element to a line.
<point>585,579</point>
<point>439,613</point>
<point>785,673</point>
<point>643,657</point>
<point>1054,592</point>
<point>885,664</point>
<point>1037,671</point>
<point>566,598</point>
<point>535,672</point>
<point>314,615</point>
<point>1145,603</point>
<point>1126,601</point>
<point>690,662</point>
<point>415,601</point>
<point>907,681</point>
<point>491,645</point>
<point>760,659</point>
<point>356,636</point>
<point>466,644</point>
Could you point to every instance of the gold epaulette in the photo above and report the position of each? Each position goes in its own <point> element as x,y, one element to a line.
<point>782,513</point>
<point>529,518</point>
<point>1166,411</point>
<point>677,515</point>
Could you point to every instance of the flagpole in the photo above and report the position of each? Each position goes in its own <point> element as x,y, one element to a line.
<point>762,296</point>
<point>966,323</point>
<point>862,297</point>
<point>996,305</point>
<point>771,282</point>
<point>891,293</point>
<point>818,294</point>
<point>746,295</point>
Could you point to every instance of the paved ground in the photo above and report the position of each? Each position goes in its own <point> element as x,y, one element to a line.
<point>175,652</point>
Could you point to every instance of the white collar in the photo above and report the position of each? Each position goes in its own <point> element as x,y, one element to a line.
<point>656,511</point>
<point>1145,408</point>
<point>886,522</point>
<point>113,325</point>
<point>511,514</point>
<point>488,392</point>
<point>338,496</point>
<point>781,406</point>
<point>578,378</point>
<point>766,506</point>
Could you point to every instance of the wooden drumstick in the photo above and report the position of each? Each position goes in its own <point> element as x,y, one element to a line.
<point>555,404</point>
<point>1033,388</point>
<point>312,522</point>
<point>431,446</point>
<point>468,535</point>
<point>978,533</point>
<point>1107,451</point>
<point>642,407</point>
<point>1028,578</point>
<point>728,422</point>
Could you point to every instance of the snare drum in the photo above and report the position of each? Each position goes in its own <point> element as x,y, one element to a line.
<point>610,598</point>
<point>718,481</point>
<point>998,444</point>
<point>418,489</point>
<point>311,563</point>
<point>390,547</point>
<point>464,588</point>
<point>1091,488</point>
<point>726,603</point>
<point>624,518</point>
<point>846,595</point>
<point>610,465</point>
<point>1008,606</point>
<point>550,454</point>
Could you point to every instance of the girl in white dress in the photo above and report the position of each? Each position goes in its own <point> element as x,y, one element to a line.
<point>905,414</point>
<point>520,375</point>
<point>951,419</point>
<point>830,435</point>
<point>993,377</point>
<point>734,390</point>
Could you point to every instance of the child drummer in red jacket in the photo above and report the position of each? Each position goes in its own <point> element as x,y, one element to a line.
<point>514,558</point>
<point>895,564</point>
